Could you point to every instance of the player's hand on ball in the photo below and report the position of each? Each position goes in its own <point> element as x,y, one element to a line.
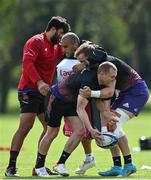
<point>109,140</point>
<point>96,134</point>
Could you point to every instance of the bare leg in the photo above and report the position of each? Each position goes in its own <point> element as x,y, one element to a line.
<point>89,161</point>
<point>78,132</point>
<point>115,151</point>
<point>123,144</point>
<point>86,143</point>
<point>46,141</point>
<point>26,123</point>
<point>74,139</point>
<point>87,146</point>
<point>41,118</point>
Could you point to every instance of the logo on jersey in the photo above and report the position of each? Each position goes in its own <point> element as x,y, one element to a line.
<point>135,109</point>
<point>25,98</point>
<point>30,52</point>
<point>65,73</point>
<point>126,105</point>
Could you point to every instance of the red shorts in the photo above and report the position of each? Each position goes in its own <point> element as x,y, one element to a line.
<point>67,130</point>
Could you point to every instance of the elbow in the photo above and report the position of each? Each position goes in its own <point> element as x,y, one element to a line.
<point>110,93</point>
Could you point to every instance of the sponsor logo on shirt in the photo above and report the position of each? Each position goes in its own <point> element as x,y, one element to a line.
<point>65,73</point>
<point>126,105</point>
<point>30,52</point>
<point>135,109</point>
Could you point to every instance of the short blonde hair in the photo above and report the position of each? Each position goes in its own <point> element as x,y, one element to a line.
<point>105,67</point>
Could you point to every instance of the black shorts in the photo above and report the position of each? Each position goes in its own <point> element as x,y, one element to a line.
<point>56,109</point>
<point>31,102</point>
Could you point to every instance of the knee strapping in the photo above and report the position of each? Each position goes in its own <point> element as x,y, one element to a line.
<point>122,118</point>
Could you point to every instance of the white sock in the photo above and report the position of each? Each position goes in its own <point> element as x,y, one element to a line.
<point>89,157</point>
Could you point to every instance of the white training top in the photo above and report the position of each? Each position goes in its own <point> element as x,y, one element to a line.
<point>64,68</point>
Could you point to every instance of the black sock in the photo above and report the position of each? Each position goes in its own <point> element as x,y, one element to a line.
<point>40,162</point>
<point>117,161</point>
<point>127,159</point>
<point>13,158</point>
<point>64,156</point>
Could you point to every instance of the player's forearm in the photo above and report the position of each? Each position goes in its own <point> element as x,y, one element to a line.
<point>84,118</point>
<point>81,105</point>
<point>104,105</point>
<point>104,93</point>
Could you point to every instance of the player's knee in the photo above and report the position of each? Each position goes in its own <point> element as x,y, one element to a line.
<point>79,131</point>
<point>52,133</point>
<point>24,130</point>
<point>122,118</point>
<point>119,132</point>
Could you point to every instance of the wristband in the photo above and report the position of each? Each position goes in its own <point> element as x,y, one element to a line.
<point>95,94</point>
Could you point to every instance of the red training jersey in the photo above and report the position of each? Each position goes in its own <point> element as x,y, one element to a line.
<point>39,61</point>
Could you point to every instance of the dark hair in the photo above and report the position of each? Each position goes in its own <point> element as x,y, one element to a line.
<point>58,22</point>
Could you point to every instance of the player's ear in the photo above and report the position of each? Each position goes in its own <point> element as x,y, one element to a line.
<point>76,45</point>
<point>53,30</point>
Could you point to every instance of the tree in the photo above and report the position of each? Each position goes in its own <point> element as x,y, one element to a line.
<point>122,28</point>
<point>17,26</point>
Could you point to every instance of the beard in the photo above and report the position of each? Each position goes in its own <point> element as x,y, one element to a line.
<point>55,39</point>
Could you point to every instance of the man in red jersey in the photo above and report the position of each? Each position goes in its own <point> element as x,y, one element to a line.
<point>40,55</point>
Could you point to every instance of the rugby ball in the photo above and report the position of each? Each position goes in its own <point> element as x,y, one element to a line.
<point>108,141</point>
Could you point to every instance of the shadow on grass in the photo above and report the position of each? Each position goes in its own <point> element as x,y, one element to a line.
<point>70,177</point>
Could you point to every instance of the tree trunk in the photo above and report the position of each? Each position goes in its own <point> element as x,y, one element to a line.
<point>5,86</point>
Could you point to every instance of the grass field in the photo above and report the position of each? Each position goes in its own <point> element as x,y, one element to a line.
<point>134,128</point>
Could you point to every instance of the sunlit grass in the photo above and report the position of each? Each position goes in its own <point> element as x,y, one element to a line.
<point>135,128</point>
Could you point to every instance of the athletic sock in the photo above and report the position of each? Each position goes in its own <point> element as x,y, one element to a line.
<point>64,156</point>
<point>40,162</point>
<point>127,159</point>
<point>117,161</point>
<point>13,158</point>
<point>89,157</point>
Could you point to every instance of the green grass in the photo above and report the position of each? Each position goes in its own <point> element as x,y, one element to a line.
<point>135,128</point>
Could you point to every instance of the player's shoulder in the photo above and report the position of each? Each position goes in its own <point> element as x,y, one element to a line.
<point>36,39</point>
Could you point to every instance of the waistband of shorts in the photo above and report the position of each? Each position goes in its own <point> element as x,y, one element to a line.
<point>55,91</point>
<point>27,90</point>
